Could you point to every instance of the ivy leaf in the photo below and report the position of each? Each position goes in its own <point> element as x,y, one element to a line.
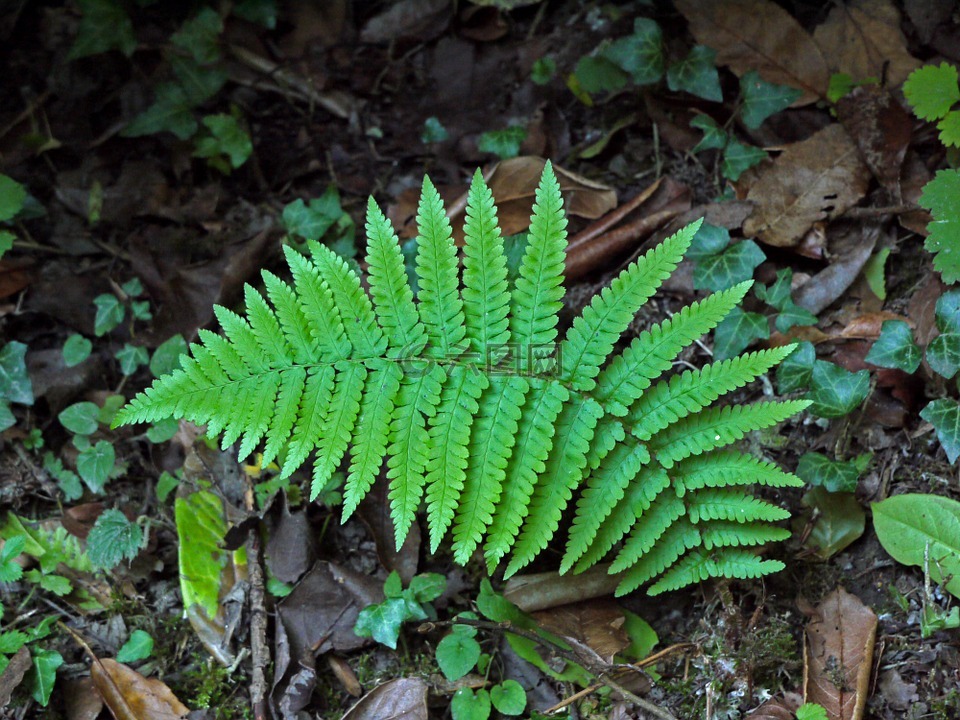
<point>777,293</point>
<point>792,314</point>
<point>944,415</point>
<point>166,358</point>
<point>725,269</point>
<point>817,470</point>
<point>708,240</point>
<point>508,697</point>
<point>7,418</point>
<point>467,705</point>
<point>12,197</point>
<point>943,354</point>
<point>947,312</point>
<point>95,464</point>
<point>639,54</point>
<point>835,391</point>
<point>170,112</point>
<point>104,25</point>
<point>433,131</point>
<point>895,348</point>
<point>697,74</point>
<point>113,538</point>
<point>940,198</point>
<point>137,647</point>
<point>76,349</point>
<point>199,83</point>
<point>762,99</point>
<point>714,136</point>
<point>382,621</point>
<point>15,384</point>
<point>932,90</point>
<point>738,158</point>
<point>163,430</point>
<point>312,221</point>
<point>227,138</point>
<point>200,36</point>
<point>737,331</point>
<point>594,74</point>
<point>80,418</point>
<point>457,654</point>
<point>503,143</point>
<point>44,673</point>
<point>109,314</point>
<point>427,587</point>
<point>131,357</point>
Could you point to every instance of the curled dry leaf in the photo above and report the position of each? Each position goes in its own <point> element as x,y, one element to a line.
<point>838,655</point>
<point>760,35</point>
<point>781,708</point>
<point>401,699</point>
<point>546,590</point>
<point>862,38</point>
<point>813,180</point>
<point>13,673</point>
<point>850,253</point>
<point>594,629</point>
<point>131,696</point>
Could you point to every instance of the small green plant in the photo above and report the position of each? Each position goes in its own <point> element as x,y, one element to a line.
<point>12,198</point>
<point>42,673</point>
<point>382,621</point>
<point>811,711</point>
<point>322,219</point>
<point>503,143</point>
<point>473,402</point>
<point>15,384</point>
<point>933,92</point>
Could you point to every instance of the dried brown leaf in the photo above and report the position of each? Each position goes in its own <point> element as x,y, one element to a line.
<point>546,590</point>
<point>813,180</point>
<point>838,655</point>
<point>594,627</point>
<point>784,708</point>
<point>850,252</point>
<point>760,35</point>
<point>131,696</point>
<point>401,699</point>
<point>863,39</point>
<point>13,673</point>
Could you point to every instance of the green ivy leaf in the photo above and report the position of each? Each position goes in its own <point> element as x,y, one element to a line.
<point>139,646</point>
<point>895,348</point>
<point>595,74</point>
<point>382,621</point>
<point>792,315</point>
<point>543,70</point>
<point>932,90</point>
<point>12,197</point>
<point>140,309</point>
<point>640,54</point>
<point>131,357</point>
<point>467,705</point>
<point>762,99</point>
<point>166,358</point>
<point>457,654</point>
<point>113,538</point>
<point>7,418</point>
<point>15,384</point>
<point>709,240</point>
<point>393,586</point>
<point>80,418</point>
<point>427,587</point>
<point>738,158</point>
<point>697,74</point>
<point>163,430</point>
<point>111,405</point>
<point>508,697</point>
<point>104,26</point>
<point>43,675</point>
<point>109,314</point>
<point>944,415</point>
<point>725,269</point>
<point>777,294</point>
<point>714,136</point>
<point>947,312</point>
<point>840,520</point>
<point>227,138</point>
<point>76,349</point>
<point>503,143</point>
<point>794,372</point>
<point>170,112</point>
<point>737,331</point>
<point>940,198</point>
<point>835,391</point>
<point>832,475</point>
<point>433,131</point>
<point>95,463</point>
<point>943,354</point>
<point>199,83</point>
<point>200,36</point>
<point>312,221</point>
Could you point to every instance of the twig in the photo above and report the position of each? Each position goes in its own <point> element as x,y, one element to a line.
<point>260,652</point>
<point>869,212</point>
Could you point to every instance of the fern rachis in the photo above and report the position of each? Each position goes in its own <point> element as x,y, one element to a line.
<point>496,451</point>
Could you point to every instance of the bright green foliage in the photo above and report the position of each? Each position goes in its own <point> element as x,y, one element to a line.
<point>458,652</point>
<point>470,705</point>
<point>479,408</point>
<point>80,418</point>
<point>541,73</point>
<point>166,358</point>
<point>10,571</point>
<point>762,99</point>
<point>835,391</point>
<point>833,475</point>
<point>944,415</point>
<point>113,538</point>
<point>932,92</point>
<point>811,711</point>
<point>697,74</point>
<point>738,158</point>
<point>943,352</point>
<point>777,295</point>
<point>727,268</point>
<point>104,26</point>
<point>640,55</point>
<point>382,621</point>
<point>95,463</point>
<point>508,697</point>
<point>131,357</point>
<point>895,348</point>
<point>503,143</point>
<point>794,372</point>
<point>940,198</point>
<point>138,646</point>
<point>76,349</point>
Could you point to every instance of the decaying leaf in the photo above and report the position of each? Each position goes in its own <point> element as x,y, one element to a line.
<point>594,628</point>
<point>401,699</point>
<point>760,35</point>
<point>862,38</point>
<point>546,590</point>
<point>838,655</point>
<point>813,180</point>
<point>131,696</point>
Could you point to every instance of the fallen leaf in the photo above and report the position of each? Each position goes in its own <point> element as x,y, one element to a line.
<point>862,38</point>
<point>838,655</point>
<point>784,708</point>
<point>850,253</point>
<point>131,696</point>
<point>345,674</point>
<point>882,130</point>
<point>289,550</point>
<point>401,699</point>
<point>813,180</point>
<point>81,699</point>
<point>595,627</point>
<point>13,673</point>
<point>760,35</point>
<point>914,175</point>
<point>546,590</point>
<point>867,326</point>
<point>420,20</point>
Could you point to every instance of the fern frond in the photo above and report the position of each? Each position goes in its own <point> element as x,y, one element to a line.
<point>729,533</point>
<point>668,402</point>
<point>538,291</point>
<point>632,371</point>
<point>717,427</point>
<point>680,537</point>
<point>441,308</point>
<point>721,468</point>
<point>292,384</point>
<point>337,428</point>
<point>594,333</point>
<point>292,317</point>
<point>650,524</point>
<point>313,411</point>
<point>715,504</point>
<point>700,565</point>
<point>318,309</point>
<point>266,328</point>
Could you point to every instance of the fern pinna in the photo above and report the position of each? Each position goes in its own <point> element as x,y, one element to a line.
<point>480,410</point>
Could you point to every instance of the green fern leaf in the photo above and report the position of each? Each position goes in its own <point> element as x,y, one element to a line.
<point>681,536</point>
<point>700,565</point>
<point>729,533</point>
<point>309,424</point>
<point>319,312</point>
<point>715,504</point>
<point>649,526</point>
<point>722,468</point>
<point>337,427</point>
